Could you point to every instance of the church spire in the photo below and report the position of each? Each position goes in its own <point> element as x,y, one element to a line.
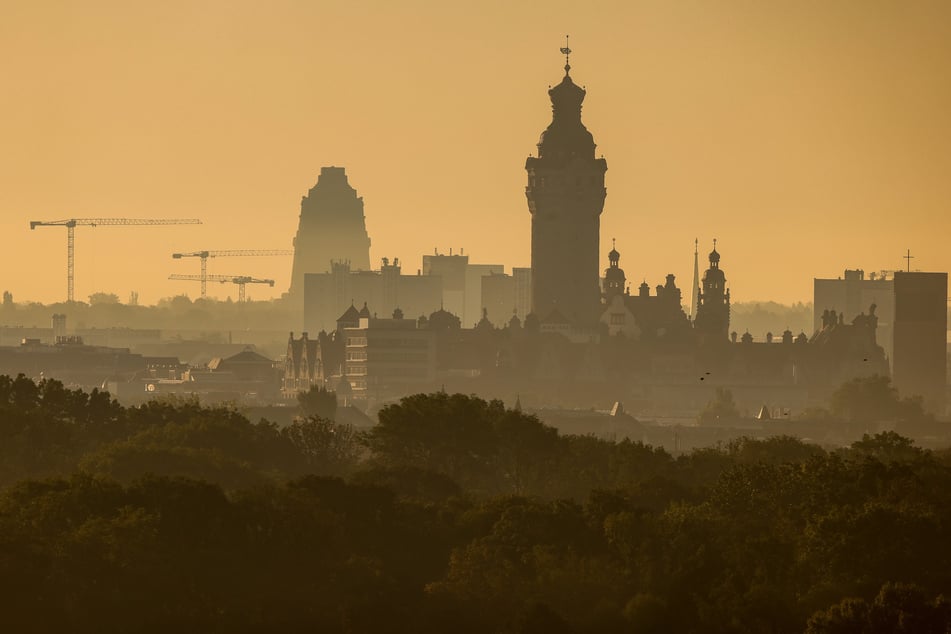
<point>695,298</point>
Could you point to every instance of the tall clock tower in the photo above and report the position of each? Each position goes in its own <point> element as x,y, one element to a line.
<point>565,197</point>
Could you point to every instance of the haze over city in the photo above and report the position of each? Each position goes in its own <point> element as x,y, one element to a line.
<point>561,318</point>
<point>805,137</point>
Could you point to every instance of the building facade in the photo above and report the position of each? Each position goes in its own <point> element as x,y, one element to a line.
<point>387,357</point>
<point>642,316</point>
<point>920,337</point>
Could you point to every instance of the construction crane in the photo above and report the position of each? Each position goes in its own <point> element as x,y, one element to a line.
<point>72,223</point>
<point>240,280</point>
<point>204,255</point>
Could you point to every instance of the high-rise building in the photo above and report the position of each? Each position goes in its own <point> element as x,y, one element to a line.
<point>451,269</point>
<point>523,291</point>
<point>461,284</point>
<point>505,296</point>
<point>498,298</point>
<point>852,295</point>
<point>327,295</point>
<point>475,274</point>
<point>332,228</point>
<point>565,197</point>
<point>919,365</point>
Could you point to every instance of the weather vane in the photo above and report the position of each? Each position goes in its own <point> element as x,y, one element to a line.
<point>566,52</point>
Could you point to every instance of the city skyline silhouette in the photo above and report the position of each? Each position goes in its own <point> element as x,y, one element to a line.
<point>797,136</point>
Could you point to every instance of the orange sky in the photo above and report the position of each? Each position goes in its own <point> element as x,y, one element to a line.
<point>806,136</point>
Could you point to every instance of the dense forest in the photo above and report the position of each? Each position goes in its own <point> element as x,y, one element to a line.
<point>453,514</point>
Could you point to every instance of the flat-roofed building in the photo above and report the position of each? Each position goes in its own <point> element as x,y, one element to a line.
<point>498,298</point>
<point>327,295</point>
<point>523,291</point>
<point>387,358</point>
<point>475,273</point>
<point>921,324</point>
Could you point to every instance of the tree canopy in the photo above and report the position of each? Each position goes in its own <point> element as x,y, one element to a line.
<point>453,514</point>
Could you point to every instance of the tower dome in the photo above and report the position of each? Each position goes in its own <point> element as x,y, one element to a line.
<point>567,97</point>
<point>566,137</point>
<point>613,256</point>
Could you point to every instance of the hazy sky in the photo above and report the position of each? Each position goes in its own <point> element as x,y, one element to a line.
<point>807,136</point>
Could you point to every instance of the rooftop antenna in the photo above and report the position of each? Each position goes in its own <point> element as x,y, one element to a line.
<point>908,257</point>
<point>566,52</point>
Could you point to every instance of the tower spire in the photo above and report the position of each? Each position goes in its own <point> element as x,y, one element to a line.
<point>567,53</point>
<point>695,296</point>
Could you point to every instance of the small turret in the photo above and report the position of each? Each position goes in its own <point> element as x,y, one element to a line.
<point>614,279</point>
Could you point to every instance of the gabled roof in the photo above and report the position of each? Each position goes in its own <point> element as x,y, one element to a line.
<point>246,357</point>
<point>351,314</point>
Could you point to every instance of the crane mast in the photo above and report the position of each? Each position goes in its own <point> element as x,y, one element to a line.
<point>205,254</point>
<point>72,223</point>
